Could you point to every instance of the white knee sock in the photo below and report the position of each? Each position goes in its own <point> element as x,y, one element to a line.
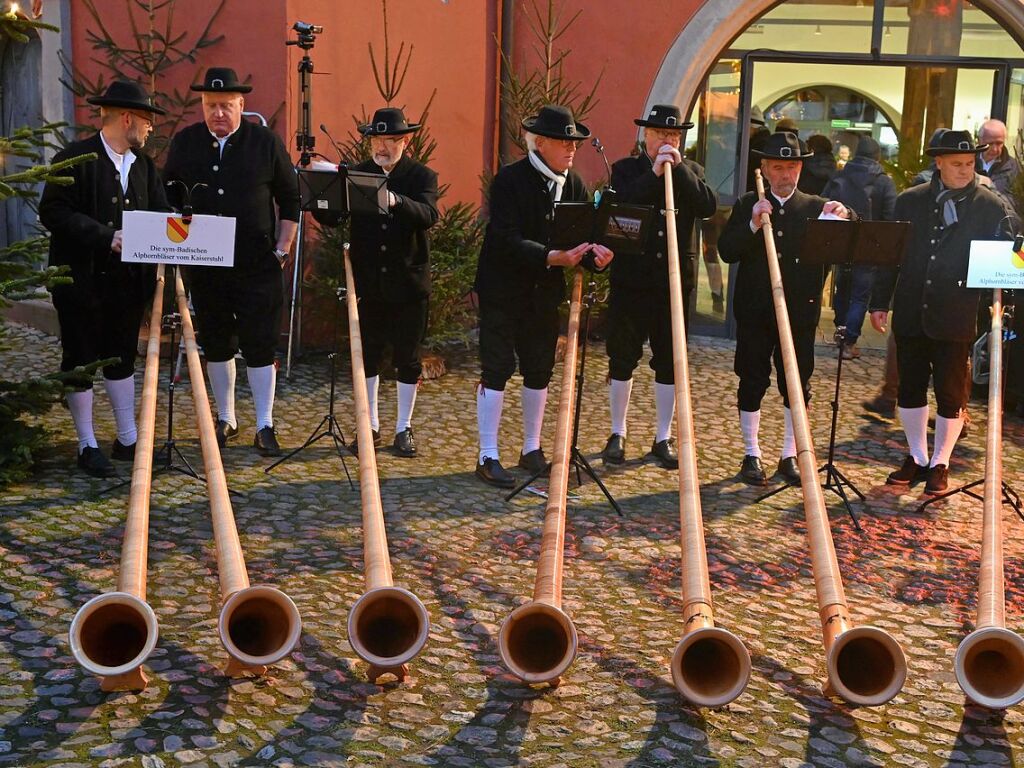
<point>372,388</point>
<point>533,401</point>
<point>122,400</point>
<point>488,419</point>
<point>406,404</point>
<point>263,382</point>
<point>665,409</point>
<point>947,432</point>
<point>80,405</point>
<point>750,425</point>
<point>915,427</point>
<point>222,382</point>
<point>788,438</point>
<point>618,403</point>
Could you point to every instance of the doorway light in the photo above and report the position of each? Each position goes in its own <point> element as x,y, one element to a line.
<point>888,31</point>
<point>817,30</point>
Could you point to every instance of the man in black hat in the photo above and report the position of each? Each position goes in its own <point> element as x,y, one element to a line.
<point>757,337</point>
<point>236,168</point>
<point>100,312</point>
<point>520,283</point>
<point>391,265</point>
<point>934,315</point>
<point>638,303</point>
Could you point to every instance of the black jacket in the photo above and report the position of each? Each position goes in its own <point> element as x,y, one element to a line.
<point>752,301</point>
<point>818,170</point>
<point>82,217</point>
<point>850,187</point>
<point>391,254</point>
<point>930,299</point>
<point>513,259</point>
<point>245,182</point>
<point>634,181</point>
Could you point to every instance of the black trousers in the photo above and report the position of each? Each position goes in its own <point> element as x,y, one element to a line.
<point>102,323</point>
<point>757,347</point>
<point>400,324</point>
<point>634,316</point>
<point>921,358</point>
<point>236,311</point>
<point>525,328</point>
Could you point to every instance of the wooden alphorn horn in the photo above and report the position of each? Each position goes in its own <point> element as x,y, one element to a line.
<point>113,634</point>
<point>989,663</point>
<point>387,625</point>
<point>538,640</point>
<point>866,666</point>
<point>710,666</point>
<point>258,625</point>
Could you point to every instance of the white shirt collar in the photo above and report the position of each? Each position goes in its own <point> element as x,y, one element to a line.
<point>783,200</point>
<point>123,163</point>
<point>224,140</point>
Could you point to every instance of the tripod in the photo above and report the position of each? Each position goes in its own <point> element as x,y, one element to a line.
<point>330,421</point>
<point>576,458</point>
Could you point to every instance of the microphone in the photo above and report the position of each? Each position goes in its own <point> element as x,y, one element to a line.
<point>186,208</point>
<point>334,144</point>
<point>596,144</point>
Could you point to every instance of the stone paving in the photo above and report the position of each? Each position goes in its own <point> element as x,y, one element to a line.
<point>470,557</point>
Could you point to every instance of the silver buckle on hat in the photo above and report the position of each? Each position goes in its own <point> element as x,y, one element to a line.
<point>964,145</point>
<point>786,152</point>
<point>216,83</point>
<point>570,129</point>
<point>670,120</point>
<point>380,127</point>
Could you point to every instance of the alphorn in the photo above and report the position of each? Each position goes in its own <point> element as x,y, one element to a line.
<point>989,662</point>
<point>258,625</point>
<point>113,634</point>
<point>866,665</point>
<point>538,640</point>
<point>710,666</point>
<point>387,625</point>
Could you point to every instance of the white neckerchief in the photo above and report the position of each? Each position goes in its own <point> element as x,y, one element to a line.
<point>223,141</point>
<point>123,163</point>
<point>557,179</point>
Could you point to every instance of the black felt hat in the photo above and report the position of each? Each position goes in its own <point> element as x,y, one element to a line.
<point>221,80</point>
<point>127,95</point>
<point>556,122</point>
<point>389,121</point>
<point>664,116</point>
<point>955,143</point>
<point>782,146</point>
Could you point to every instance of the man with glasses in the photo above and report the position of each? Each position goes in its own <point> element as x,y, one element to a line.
<point>101,310</point>
<point>236,168</point>
<point>520,284</point>
<point>639,306</point>
<point>996,162</point>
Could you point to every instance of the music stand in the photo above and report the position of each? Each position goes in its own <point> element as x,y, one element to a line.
<point>847,243</point>
<point>622,227</point>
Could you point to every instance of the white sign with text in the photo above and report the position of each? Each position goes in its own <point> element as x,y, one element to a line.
<point>994,264</point>
<point>164,238</point>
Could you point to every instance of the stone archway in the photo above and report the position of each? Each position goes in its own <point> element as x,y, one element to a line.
<point>718,22</point>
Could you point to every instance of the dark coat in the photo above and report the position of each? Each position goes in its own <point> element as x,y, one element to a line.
<point>752,301</point>
<point>818,171</point>
<point>634,181</point>
<point>930,299</point>
<point>245,182</point>
<point>1003,172</point>
<point>82,217</point>
<point>513,259</point>
<point>391,254</point>
<point>863,173</point>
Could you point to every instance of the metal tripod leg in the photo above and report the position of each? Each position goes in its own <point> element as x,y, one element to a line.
<point>579,460</point>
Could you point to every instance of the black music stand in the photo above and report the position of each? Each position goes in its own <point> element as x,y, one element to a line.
<point>847,243</point>
<point>622,227</point>
<point>576,457</point>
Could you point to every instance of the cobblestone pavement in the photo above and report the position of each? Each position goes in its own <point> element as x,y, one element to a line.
<point>470,557</point>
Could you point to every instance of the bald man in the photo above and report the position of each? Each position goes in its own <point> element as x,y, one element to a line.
<point>996,162</point>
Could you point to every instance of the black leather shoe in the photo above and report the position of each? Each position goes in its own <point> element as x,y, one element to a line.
<point>615,449</point>
<point>377,442</point>
<point>224,432</point>
<point>884,406</point>
<point>266,442</point>
<point>534,461</point>
<point>492,473</point>
<point>94,463</point>
<point>665,452</point>
<point>405,445</point>
<point>122,452</point>
<point>911,472</point>
<point>789,470</point>
<point>751,471</point>
<point>938,480</point>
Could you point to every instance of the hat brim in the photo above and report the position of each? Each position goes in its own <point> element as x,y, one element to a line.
<point>239,88</point>
<point>581,132</point>
<point>938,151</point>
<point>649,124</point>
<point>368,130</point>
<point>100,101</point>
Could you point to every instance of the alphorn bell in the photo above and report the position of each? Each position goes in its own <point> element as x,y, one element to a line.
<point>113,634</point>
<point>866,666</point>
<point>989,663</point>
<point>387,625</point>
<point>710,666</point>
<point>258,625</point>
<point>538,640</point>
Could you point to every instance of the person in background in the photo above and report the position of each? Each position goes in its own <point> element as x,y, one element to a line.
<point>842,156</point>
<point>820,168</point>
